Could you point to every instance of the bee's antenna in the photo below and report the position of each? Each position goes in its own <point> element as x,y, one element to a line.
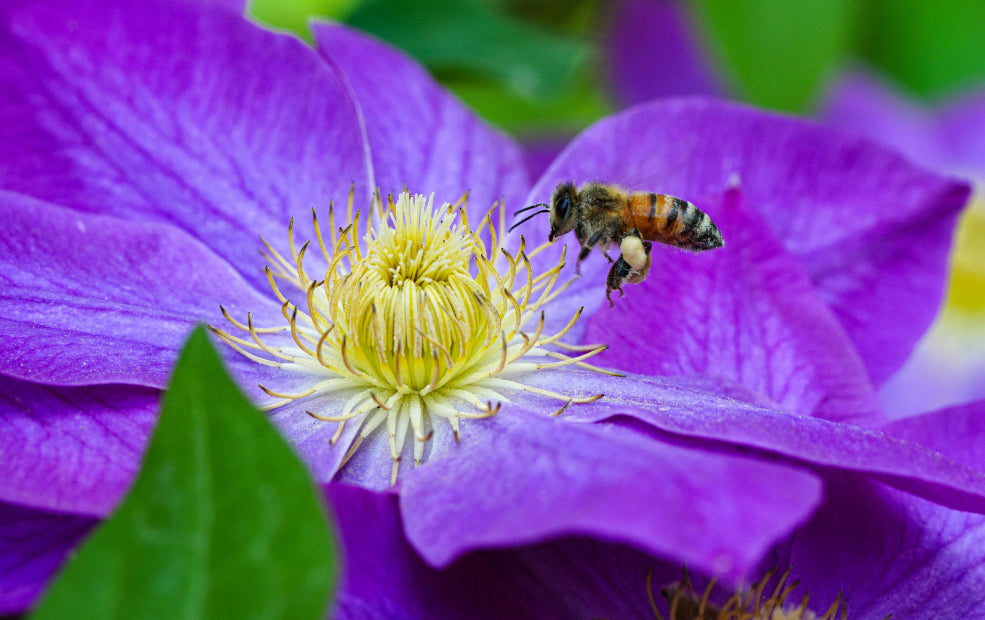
<point>510,229</point>
<point>539,204</point>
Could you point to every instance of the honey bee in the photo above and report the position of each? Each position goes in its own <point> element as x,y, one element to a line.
<point>602,215</point>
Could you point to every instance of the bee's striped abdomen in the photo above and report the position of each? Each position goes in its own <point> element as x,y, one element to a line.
<point>673,221</point>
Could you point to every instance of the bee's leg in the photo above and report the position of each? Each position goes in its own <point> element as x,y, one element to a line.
<point>622,272</point>
<point>608,295</point>
<point>618,273</point>
<point>585,251</point>
<point>586,247</point>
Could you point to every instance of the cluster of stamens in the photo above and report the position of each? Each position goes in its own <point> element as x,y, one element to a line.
<point>420,322</point>
<point>752,603</point>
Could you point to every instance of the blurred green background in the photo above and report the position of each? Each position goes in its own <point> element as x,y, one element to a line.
<point>535,65</point>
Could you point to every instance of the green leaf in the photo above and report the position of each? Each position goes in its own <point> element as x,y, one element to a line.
<point>222,522</point>
<point>566,113</point>
<point>293,15</point>
<point>936,48</point>
<point>778,53</point>
<point>474,37</point>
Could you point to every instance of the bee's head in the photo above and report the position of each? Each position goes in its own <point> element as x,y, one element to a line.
<point>563,216</point>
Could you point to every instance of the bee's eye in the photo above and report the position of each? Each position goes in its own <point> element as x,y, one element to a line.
<point>562,207</point>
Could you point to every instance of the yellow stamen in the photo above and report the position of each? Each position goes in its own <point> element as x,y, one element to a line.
<point>745,604</point>
<point>415,320</point>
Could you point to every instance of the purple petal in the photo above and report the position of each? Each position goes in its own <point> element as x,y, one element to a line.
<point>872,230</point>
<point>747,313</point>
<point>384,578</point>
<point>530,478</point>
<point>884,551</point>
<point>945,369</point>
<point>71,449</point>
<point>33,545</point>
<point>654,51</point>
<point>540,153</point>
<point>311,439</point>
<point>683,411</point>
<point>95,299</point>
<point>889,553</point>
<point>945,137</point>
<point>582,577</point>
<point>237,7</point>
<point>955,432</point>
<point>947,366</point>
<point>175,112</point>
<point>421,137</point>
<point>861,104</point>
<point>961,130</point>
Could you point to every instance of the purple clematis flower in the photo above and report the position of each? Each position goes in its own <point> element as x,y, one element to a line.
<point>882,550</point>
<point>147,147</point>
<point>948,366</point>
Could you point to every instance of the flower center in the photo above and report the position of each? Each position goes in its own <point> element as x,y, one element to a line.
<point>753,603</point>
<point>415,315</point>
<point>418,327</point>
<point>965,293</point>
